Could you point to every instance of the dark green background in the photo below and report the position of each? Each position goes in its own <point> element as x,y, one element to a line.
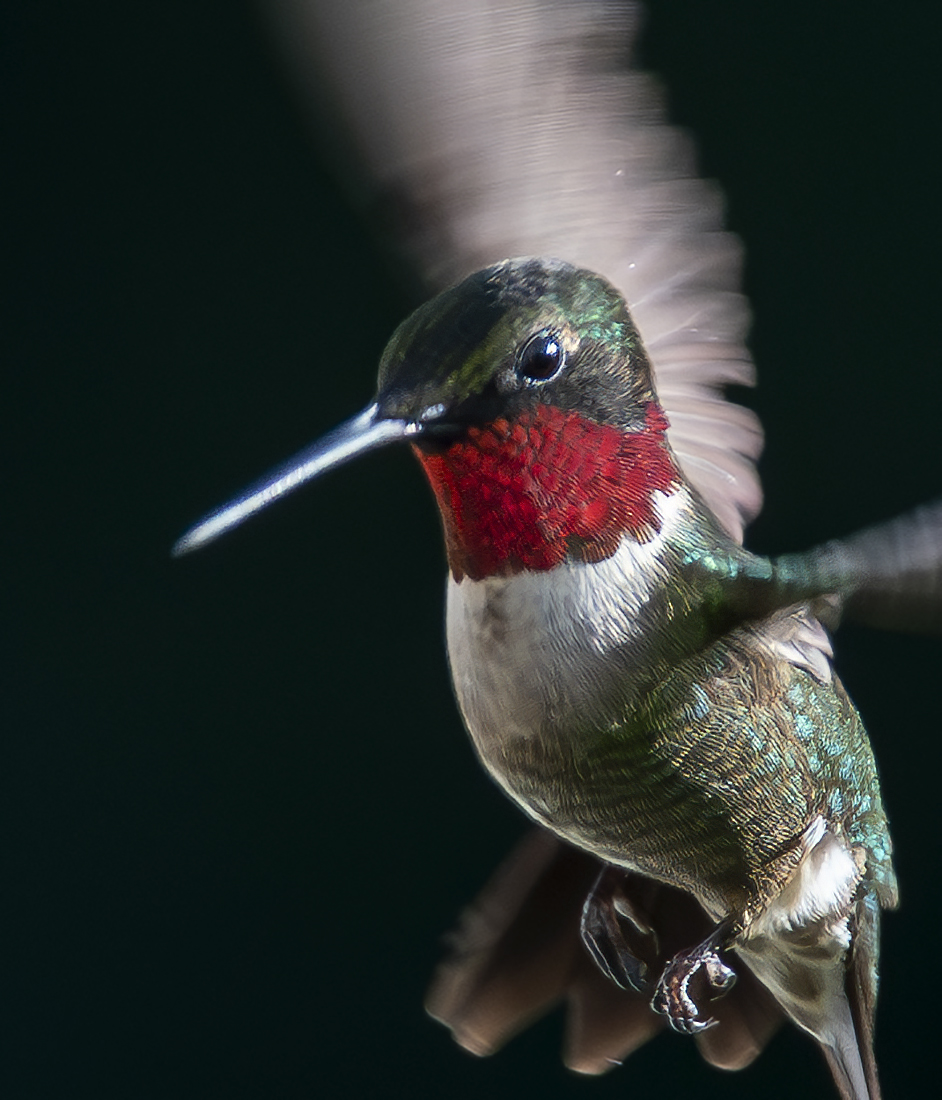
<point>239,807</point>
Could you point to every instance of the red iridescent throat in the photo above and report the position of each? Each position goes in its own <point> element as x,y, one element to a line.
<point>549,486</point>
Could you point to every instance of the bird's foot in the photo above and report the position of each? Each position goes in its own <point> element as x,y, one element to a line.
<point>608,920</point>
<point>689,977</point>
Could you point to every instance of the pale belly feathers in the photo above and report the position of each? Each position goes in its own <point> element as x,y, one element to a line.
<point>530,652</point>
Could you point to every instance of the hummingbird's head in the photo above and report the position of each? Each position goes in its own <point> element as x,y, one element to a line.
<point>527,396</point>
<point>520,334</point>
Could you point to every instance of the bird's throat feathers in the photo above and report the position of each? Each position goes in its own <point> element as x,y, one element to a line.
<point>529,493</point>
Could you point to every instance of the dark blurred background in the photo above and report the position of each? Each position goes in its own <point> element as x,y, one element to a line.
<point>240,809</point>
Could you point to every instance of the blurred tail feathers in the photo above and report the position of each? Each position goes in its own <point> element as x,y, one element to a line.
<point>518,952</point>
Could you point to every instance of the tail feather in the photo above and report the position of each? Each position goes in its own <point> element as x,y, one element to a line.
<point>861,985</point>
<point>514,952</point>
<point>801,977</point>
<point>847,1070</point>
<point>604,1024</point>
<point>828,989</point>
<point>746,1019</point>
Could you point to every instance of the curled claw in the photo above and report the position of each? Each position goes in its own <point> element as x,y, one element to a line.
<point>609,950</point>
<point>616,934</point>
<point>674,997</point>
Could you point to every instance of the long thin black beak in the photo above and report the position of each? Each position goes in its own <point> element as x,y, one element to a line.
<point>364,432</point>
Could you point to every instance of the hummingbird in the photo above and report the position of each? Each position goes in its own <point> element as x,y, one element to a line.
<point>711,849</point>
<point>642,686</point>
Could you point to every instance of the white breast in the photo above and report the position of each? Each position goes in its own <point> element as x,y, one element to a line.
<point>528,651</point>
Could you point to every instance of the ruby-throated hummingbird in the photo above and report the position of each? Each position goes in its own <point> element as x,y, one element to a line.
<point>654,696</point>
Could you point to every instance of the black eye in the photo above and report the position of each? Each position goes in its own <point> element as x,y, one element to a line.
<point>541,357</point>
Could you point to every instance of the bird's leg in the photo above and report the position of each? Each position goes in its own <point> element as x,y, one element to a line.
<point>691,976</point>
<point>609,919</point>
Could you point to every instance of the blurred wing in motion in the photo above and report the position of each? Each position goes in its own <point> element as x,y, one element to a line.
<point>489,129</point>
<point>890,574</point>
